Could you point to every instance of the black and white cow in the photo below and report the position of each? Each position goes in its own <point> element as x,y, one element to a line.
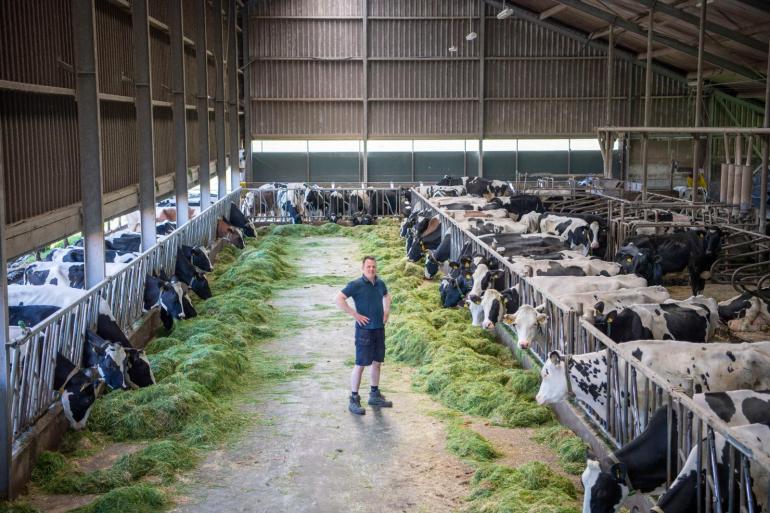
<point>64,274</point>
<point>336,206</point>
<point>451,180</point>
<point>314,201</point>
<point>478,186</point>
<point>289,200</point>
<point>237,219</point>
<point>78,391</point>
<point>170,297</point>
<point>426,235</point>
<point>359,201</point>
<point>139,372</point>
<point>577,233</point>
<point>745,312</point>
<point>709,367</point>
<point>76,254</point>
<point>605,302</point>
<point>108,358</point>
<point>694,319</point>
<point>198,256</point>
<point>529,245</point>
<point>186,272</point>
<point>517,205</point>
<point>529,323</point>
<point>496,305</point>
<point>567,267</point>
<point>485,278</point>
<point>124,241</point>
<point>455,285</point>
<point>561,286</point>
<point>653,256</point>
<point>230,234</point>
<point>164,228</point>
<point>437,256</point>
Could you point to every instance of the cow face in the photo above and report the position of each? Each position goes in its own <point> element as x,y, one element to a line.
<point>492,309</point>
<point>200,258</point>
<point>171,300</point>
<point>553,380</point>
<point>78,391</point>
<point>712,242</point>
<point>138,371</point>
<point>640,261</point>
<point>604,492</point>
<point>529,323</point>
<point>200,285</point>
<point>230,234</point>
<point>431,267</point>
<point>451,292</point>
<point>414,252</point>
<point>109,358</point>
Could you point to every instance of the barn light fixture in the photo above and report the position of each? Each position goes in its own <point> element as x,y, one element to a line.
<point>452,49</point>
<point>471,36</point>
<point>505,13</point>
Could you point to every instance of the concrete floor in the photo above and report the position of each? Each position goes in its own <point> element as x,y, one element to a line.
<point>309,454</point>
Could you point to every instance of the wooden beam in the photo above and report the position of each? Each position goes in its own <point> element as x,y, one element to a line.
<point>553,10</point>
<point>660,52</point>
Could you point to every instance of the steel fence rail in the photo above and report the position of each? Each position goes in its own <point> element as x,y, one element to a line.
<point>33,354</point>
<point>634,391</point>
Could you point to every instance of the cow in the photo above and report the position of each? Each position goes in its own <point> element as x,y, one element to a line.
<point>567,267</point>
<point>165,228</point>
<point>109,359</point>
<point>230,234</point>
<point>359,201</point>
<point>694,319</point>
<point>441,191</point>
<point>517,205</point>
<point>336,206</point>
<point>313,202</point>
<point>186,272</point>
<point>384,202</point>
<point>577,233</point>
<point>478,186</point>
<point>124,241</point>
<point>653,256</point>
<point>76,254</point>
<point>450,180</point>
<point>139,372</point>
<point>513,244</point>
<point>529,223</point>
<point>64,274</point>
<point>496,305</point>
<point>289,200</point>
<point>427,235</point>
<point>483,279</point>
<point>455,285</point>
<point>745,312</point>
<point>709,367</point>
<point>169,213</point>
<point>605,302</point>
<point>240,221</point>
<point>529,324</point>
<point>682,496</point>
<point>170,297</point>
<point>555,285</point>
<point>437,256</point>
<point>198,256</point>
<point>78,391</point>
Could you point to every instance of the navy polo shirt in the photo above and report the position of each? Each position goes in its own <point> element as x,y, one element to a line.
<point>368,299</point>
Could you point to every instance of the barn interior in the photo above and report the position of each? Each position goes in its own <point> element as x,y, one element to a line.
<point>566,201</point>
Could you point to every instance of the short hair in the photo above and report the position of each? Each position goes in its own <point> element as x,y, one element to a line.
<point>368,257</point>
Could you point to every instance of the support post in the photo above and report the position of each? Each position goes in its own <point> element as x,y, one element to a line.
<point>247,149</point>
<point>608,141</point>
<point>696,150</point>
<point>763,171</point>
<point>219,107</point>
<point>232,97</point>
<point>365,85</point>
<point>482,55</point>
<point>6,425</point>
<point>201,62</point>
<point>647,100</point>
<point>178,108</point>
<point>89,138</point>
<point>144,127</point>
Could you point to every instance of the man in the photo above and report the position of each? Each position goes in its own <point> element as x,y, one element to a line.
<point>371,314</point>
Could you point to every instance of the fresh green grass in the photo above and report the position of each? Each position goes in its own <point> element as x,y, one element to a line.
<point>570,448</point>
<point>137,498</point>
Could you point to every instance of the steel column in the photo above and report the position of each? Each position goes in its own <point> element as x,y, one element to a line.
<point>608,113</point>
<point>219,110</point>
<point>89,138</point>
<point>232,96</point>
<point>6,425</point>
<point>144,127</point>
<point>201,63</point>
<point>178,109</point>
<point>696,157</point>
<point>245,31</point>
<point>365,84</point>
<point>647,100</point>
<point>482,53</point>
<point>765,142</point>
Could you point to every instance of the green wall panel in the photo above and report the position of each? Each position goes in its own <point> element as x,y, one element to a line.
<point>390,167</point>
<point>543,162</point>
<point>335,167</point>
<point>280,167</point>
<point>432,166</point>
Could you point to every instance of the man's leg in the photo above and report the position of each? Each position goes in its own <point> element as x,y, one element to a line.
<point>355,377</point>
<point>355,382</point>
<point>376,367</point>
<point>375,396</point>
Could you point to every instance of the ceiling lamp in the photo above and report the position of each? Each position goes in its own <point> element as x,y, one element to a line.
<point>470,36</point>
<point>505,13</point>
<point>453,49</point>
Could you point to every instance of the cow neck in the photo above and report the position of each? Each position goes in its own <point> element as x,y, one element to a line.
<point>627,481</point>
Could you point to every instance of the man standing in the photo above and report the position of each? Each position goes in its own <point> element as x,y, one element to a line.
<point>371,313</point>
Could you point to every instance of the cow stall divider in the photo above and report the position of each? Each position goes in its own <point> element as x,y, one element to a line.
<point>32,356</point>
<point>634,391</point>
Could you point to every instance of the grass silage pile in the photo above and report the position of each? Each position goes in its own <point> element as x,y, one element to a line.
<point>466,369</point>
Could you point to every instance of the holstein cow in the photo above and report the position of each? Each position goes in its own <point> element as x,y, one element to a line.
<point>336,206</point>
<point>653,256</point>
<point>604,302</point>
<point>529,324</point>
<point>682,496</point>
<point>640,465</point>
<point>513,244</point>
<point>478,186</point>
<point>451,180</point>
<point>426,235</point>
<point>517,205</point>
<point>76,254</point>
<point>78,391</point>
<point>64,274</point>
<point>290,200</point>
<point>109,358</point>
<point>190,276</point>
<point>240,221</point>
<point>709,367</point>
<point>170,297</point>
<point>745,312</point>
<point>692,319</point>
<point>496,305</point>
<point>230,234</point>
<point>359,201</point>
<point>198,256</point>
<point>455,285</point>
<point>314,201</point>
<point>485,278</point>
<point>437,256</point>
<point>577,233</point>
<point>556,285</point>
<point>569,267</point>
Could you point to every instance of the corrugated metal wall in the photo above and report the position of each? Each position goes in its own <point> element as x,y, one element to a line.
<point>39,124</point>
<point>538,83</point>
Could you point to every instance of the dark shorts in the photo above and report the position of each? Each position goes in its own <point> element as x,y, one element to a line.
<point>370,346</point>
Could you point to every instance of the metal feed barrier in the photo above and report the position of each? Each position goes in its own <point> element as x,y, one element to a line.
<point>634,391</point>
<point>32,356</point>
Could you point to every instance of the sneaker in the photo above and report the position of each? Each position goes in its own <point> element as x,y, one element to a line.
<point>355,405</point>
<point>377,399</point>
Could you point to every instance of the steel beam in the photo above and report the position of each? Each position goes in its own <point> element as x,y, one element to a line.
<point>144,128</point>
<point>647,100</point>
<point>6,424</point>
<point>232,96</point>
<point>760,5</point>
<point>219,108</point>
<point>246,30</point>
<point>482,66</point>
<point>201,64</point>
<point>731,34</point>
<point>765,142</point>
<point>178,109</point>
<point>89,138</point>
<point>632,27</point>
<point>696,161</point>
<point>365,85</point>
<point>607,153</point>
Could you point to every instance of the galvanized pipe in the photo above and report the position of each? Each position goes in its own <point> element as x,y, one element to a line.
<point>178,108</point>
<point>6,384</point>
<point>202,81</point>
<point>365,86</point>
<point>89,138</point>
<point>144,124</point>
<point>696,163</point>
<point>245,31</point>
<point>737,174</point>
<point>219,108</point>
<point>647,100</point>
<point>763,171</point>
<point>232,96</point>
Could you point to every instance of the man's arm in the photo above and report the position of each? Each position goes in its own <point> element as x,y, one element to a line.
<point>385,308</point>
<point>342,304</point>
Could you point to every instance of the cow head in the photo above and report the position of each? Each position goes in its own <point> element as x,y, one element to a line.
<point>712,242</point>
<point>529,323</point>
<point>138,371</point>
<point>431,267</point>
<point>199,257</point>
<point>200,285</point>
<point>414,251</point>
<point>604,491</point>
<point>511,299</point>
<point>640,261</point>
<point>230,234</point>
<point>78,391</point>
<point>553,380</point>
<point>492,306</point>
<point>109,358</point>
<point>451,292</point>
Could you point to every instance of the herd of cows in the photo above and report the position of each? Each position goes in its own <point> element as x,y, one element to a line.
<point>622,298</point>
<point>40,289</point>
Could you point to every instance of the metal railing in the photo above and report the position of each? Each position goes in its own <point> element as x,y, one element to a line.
<point>32,356</point>
<point>634,391</point>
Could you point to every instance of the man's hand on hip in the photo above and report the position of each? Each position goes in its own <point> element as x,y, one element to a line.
<point>385,318</point>
<point>362,320</point>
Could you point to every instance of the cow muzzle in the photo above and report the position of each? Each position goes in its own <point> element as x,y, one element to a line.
<point>594,245</point>
<point>524,344</point>
<point>488,325</point>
